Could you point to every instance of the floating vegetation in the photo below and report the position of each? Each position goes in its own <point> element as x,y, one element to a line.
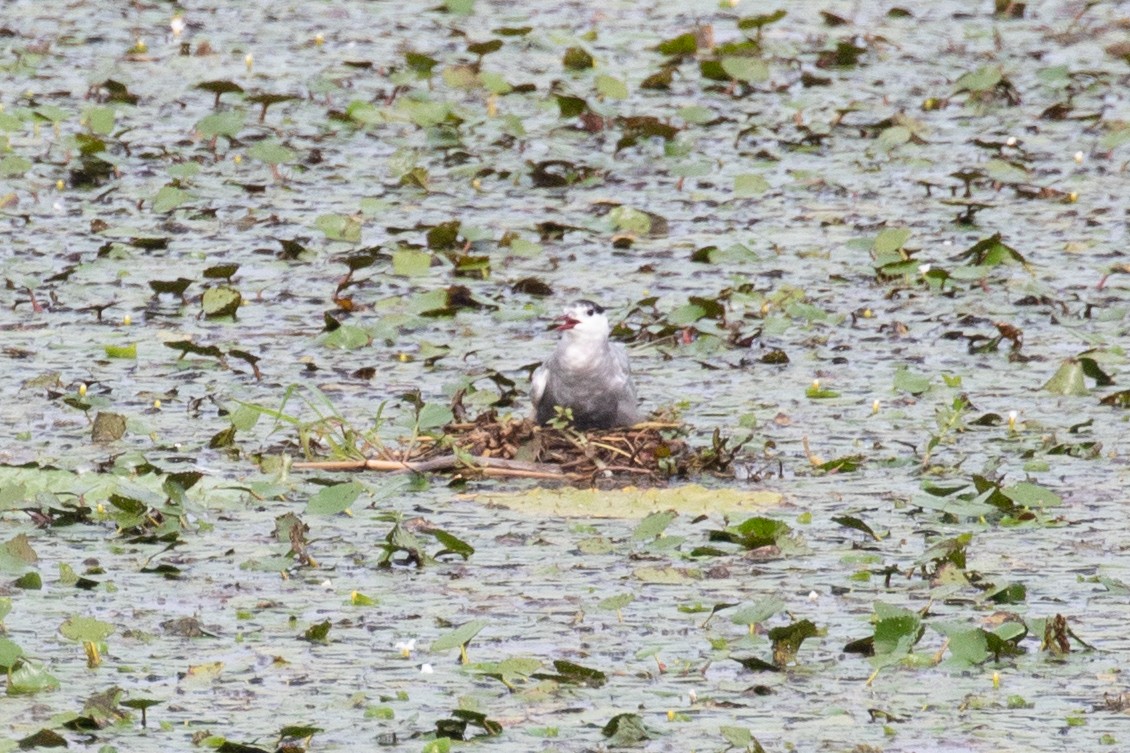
<point>876,252</point>
<point>490,445</point>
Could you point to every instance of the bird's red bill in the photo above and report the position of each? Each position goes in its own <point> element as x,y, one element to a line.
<point>567,322</point>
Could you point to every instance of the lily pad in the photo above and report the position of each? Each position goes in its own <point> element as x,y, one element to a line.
<point>689,499</point>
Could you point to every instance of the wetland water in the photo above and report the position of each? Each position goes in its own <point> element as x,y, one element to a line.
<point>922,207</point>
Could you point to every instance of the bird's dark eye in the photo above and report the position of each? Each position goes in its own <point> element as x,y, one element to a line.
<point>588,312</point>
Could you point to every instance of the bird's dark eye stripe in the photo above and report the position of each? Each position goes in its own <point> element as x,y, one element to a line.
<point>590,307</point>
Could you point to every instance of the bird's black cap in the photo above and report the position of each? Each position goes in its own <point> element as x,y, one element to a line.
<point>589,304</point>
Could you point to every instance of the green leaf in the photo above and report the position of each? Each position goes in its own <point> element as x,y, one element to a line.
<point>272,152</point>
<point>1068,379</point>
<point>1005,172</point>
<point>460,77</point>
<point>17,553</point>
<point>411,263</point>
<point>617,602</point>
<point>459,7</point>
<point>226,124</point>
<point>625,730</point>
<point>980,80</point>
<point>889,240</point>
<point>245,417</point>
<point>762,20</point>
<point>108,427</point>
<point>222,300</point>
<point>891,138</point>
<point>577,59</point>
<point>86,629</point>
<point>14,165</point>
<point>670,576</point>
<point>967,645</point>
<point>423,113</point>
<point>339,227</point>
<point>740,737</point>
<point>856,524</point>
<point>682,45</point>
<point>29,581</point>
<point>52,113</point>
<point>1116,135</point>
<point>420,63</point>
<point>578,674</point>
<point>298,731</point>
<point>747,69</point>
<point>121,351</point>
<point>318,633</point>
<point>169,198</point>
<point>788,639</point>
<point>347,337</point>
<point>991,251</point>
<point>184,170</point>
<point>434,415</point>
<point>10,653</point>
<point>696,114</point>
<point>30,678</point>
<point>759,612</point>
<point>653,525</point>
<point>611,87</point>
<point>494,83</point>
<point>332,500</point>
<point>451,544</point>
<point>187,346</point>
<point>458,637</point>
<point>1031,495</point>
<point>748,185</point>
<point>630,220</point>
<point>100,119</point>
<point>907,381</point>
<point>221,271</point>
<point>897,631</point>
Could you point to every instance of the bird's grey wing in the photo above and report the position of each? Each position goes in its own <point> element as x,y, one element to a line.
<point>622,367</point>
<point>537,384</point>
<point>627,409</point>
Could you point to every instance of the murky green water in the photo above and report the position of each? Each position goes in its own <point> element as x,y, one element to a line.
<point>791,171</point>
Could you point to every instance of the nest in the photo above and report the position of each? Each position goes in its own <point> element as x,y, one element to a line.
<point>647,453</point>
<point>654,450</point>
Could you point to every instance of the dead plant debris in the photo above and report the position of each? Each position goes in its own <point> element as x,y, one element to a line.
<point>489,445</point>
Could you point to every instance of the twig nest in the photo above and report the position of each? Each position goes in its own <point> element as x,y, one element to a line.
<point>648,449</point>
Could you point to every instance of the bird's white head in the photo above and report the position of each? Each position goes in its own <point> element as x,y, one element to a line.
<point>584,320</point>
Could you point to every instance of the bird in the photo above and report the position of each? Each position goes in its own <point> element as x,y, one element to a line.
<point>587,374</point>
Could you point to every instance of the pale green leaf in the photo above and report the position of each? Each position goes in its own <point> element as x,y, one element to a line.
<point>331,500</point>
<point>748,185</point>
<point>411,263</point>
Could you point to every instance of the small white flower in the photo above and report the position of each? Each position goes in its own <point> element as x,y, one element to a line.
<point>426,669</point>
<point>328,584</point>
<point>177,25</point>
<point>406,647</point>
<point>1010,141</point>
<point>813,596</point>
<point>1079,156</point>
<point>923,268</point>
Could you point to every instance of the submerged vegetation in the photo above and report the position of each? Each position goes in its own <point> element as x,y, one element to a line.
<point>870,263</point>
